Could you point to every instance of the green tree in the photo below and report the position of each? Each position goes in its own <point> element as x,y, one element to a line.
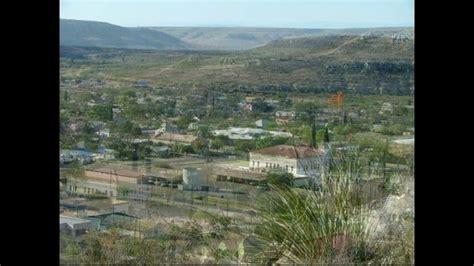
<point>187,149</point>
<point>74,170</point>
<point>199,145</point>
<point>306,111</point>
<point>260,106</point>
<point>102,112</point>
<point>326,134</point>
<point>128,128</point>
<point>224,139</point>
<point>204,132</point>
<point>122,190</point>
<point>244,145</point>
<point>183,121</point>
<point>217,144</point>
<point>269,141</point>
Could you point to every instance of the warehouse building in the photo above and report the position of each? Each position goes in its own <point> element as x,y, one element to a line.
<point>74,226</point>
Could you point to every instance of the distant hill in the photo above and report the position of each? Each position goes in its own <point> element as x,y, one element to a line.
<point>230,38</point>
<point>361,64</point>
<point>82,33</point>
<point>100,34</point>
<point>365,47</point>
<point>367,63</point>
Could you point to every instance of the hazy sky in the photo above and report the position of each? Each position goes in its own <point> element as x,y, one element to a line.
<point>258,13</point>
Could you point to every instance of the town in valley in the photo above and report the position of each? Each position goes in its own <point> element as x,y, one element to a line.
<point>200,153</point>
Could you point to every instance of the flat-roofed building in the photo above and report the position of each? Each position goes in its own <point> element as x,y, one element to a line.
<point>75,226</point>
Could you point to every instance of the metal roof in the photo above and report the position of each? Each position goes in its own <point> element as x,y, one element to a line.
<point>74,223</point>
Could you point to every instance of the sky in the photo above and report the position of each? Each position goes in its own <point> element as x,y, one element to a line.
<point>244,13</point>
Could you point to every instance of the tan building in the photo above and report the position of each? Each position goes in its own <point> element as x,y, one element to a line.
<point>300,161</point>
<point>115,175</point>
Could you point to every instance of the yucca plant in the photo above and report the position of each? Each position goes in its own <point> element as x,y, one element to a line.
<point>309,226</point>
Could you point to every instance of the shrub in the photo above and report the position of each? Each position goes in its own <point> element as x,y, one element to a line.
<point>312,226</point>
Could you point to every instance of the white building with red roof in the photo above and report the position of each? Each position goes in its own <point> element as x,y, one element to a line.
<point>300,161</point>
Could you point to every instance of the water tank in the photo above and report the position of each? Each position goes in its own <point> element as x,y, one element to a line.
<point>193,177</point>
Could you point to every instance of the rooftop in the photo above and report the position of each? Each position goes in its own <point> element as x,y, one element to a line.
<point>171,174</point>
<point>118,202</point>
<point>291,152</point>
<point>410,141</point>
<point>76,153</point>
<point>249,133</point>
<point>118,171</point>
<point>176,137</point>
<point>71,221</point>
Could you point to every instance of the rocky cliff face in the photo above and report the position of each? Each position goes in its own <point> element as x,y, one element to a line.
<point>396,213</point>
<point>372,67</point>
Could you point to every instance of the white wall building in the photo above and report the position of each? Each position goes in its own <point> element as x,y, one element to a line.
<point>249,133</point>
<point>300,161</point>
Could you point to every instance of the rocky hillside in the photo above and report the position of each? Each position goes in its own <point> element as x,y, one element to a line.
<point>362,64</point>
